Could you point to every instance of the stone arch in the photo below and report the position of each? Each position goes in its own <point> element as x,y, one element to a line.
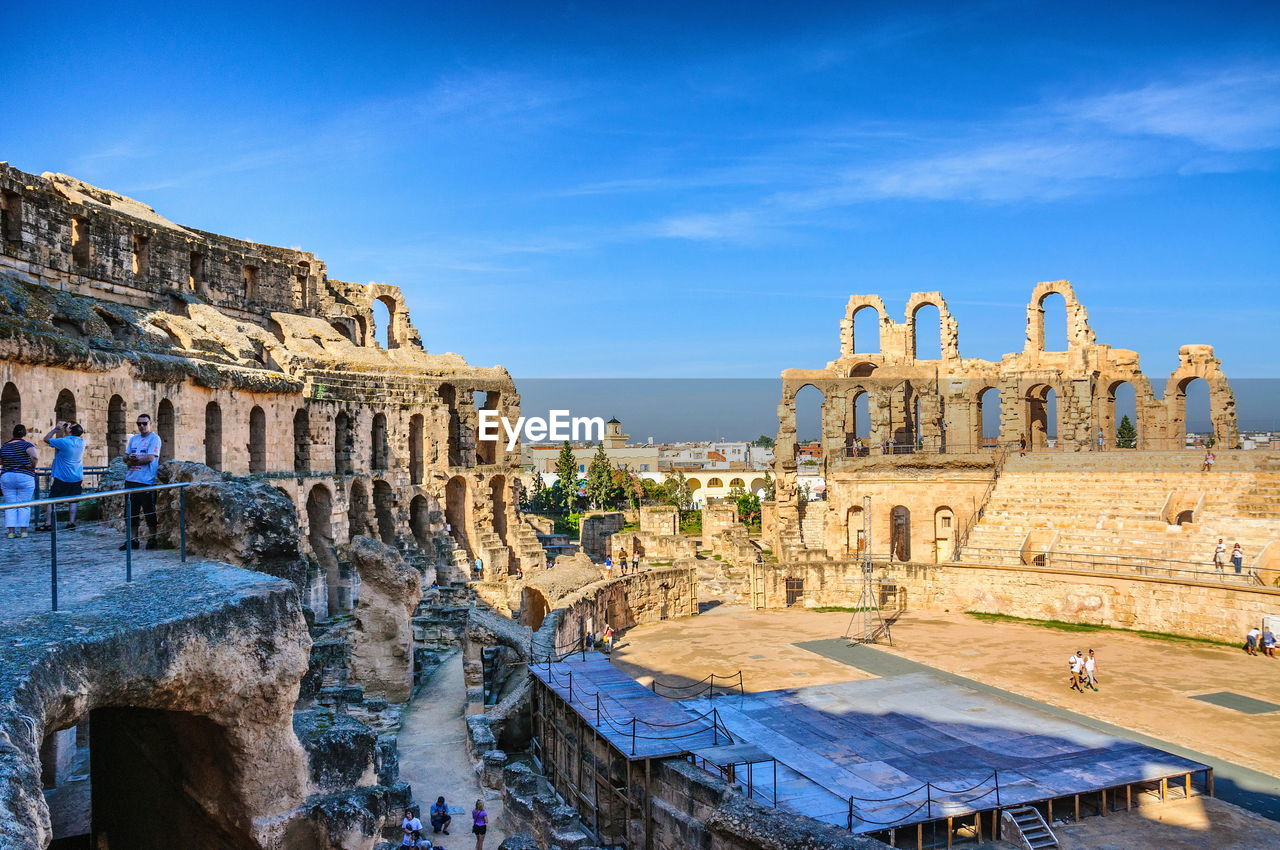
<point>363,337</point>
<point>449,398</point>
<point>378,442</point>
<point>384,511</point>
<point>257,440</point>
<point>10,409</point>
<point>498,499</point>
<point>849,336</point>
<point>166,427</point>
<point>395,319</point>
<point>1042,403</point>
<point>301,441</point>
<point>212,436</point>
<point>1117,404</point>
<point>929,303</point>
<point>343,441</point>
<point>757,486</point>
<point>416,448</point>
<point>900,533</point>
<point>944,533</point>
<point>457,511</point>
<point>803,402</point>
<point>64,409</point>
<point>117,428</point>
<point>489,451</point>
<point>857,421</point>
<point>358,510</point>
<point>987,418</point>
<point>1198,361</point>
<point>420,521</point>
<point>855,531</point>
<point>867,332</point>
<point>1079,334</point>
<point>533,608</point>
<point>381,319</point>
<point>320,539</point>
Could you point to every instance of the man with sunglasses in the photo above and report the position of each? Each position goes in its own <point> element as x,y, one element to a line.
<point>142,456</point>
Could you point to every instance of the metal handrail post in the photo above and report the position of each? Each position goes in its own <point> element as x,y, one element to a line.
<point>128,538</point>
<point>53,561</point>
<point>996,774</point>
<point>633,736</point>
<point>928,798</point>
<point>182,525</point>
<point>849,822</point>
<point>570,686</point>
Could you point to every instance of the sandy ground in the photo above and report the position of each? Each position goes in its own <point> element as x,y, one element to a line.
<point>434,760</point>
<point>1144,685</point>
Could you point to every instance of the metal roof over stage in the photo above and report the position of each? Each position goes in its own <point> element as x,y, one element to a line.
<point>634,720</point>
<point>913,748</point>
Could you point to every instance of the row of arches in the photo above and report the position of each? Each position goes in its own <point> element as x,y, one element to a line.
<point>898,533</point>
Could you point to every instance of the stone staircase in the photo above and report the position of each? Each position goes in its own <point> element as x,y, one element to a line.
<point>812,525</point>
<point>1122,506</point>
<point>1024,827</point>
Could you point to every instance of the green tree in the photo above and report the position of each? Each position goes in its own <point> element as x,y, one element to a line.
<point>770,487</point>
<point>763,442</point>
<point>1126,434</point>
<point>567,473</point>
<point>748,508</point>
<point>678,492</point>
<point>600,479</point>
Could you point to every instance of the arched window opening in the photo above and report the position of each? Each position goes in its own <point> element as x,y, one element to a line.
<point>498,498</point>
<point>1197,422</point>
<point>416,463</point>
<point>855,531</point>
<point>926,332</point>
<point>378,438</point>
<point>866,330</point>
<point>487,451</point>
<point>420,522</point>
<point>1120,417</point>
<point>810,408</point>
<point>362,332</point>
<point>1053,309</point>
<point>1042,417</point>
<point>301,441</point>
<point>320,538</point>
<point>988,419</point>
<point>165,428</point>
<point>900,533</point>
<point>715,482</point>
<point>381,324</point>
<point>10,409</point>
<point>457,511</point>
<point>449,398</point>
<point>257,440</point>
<point>384,510</point>
<point>944,534</point>
<point>1185,518</point>
<point>344,328</point>
<point>117,428</point>
<point>358,510</point>
<point>64,409</point>
<point>212,436</point>
<point>737,482</point>
<point>343,438</point>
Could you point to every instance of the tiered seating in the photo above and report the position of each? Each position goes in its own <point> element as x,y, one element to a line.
<point>1114,507</point>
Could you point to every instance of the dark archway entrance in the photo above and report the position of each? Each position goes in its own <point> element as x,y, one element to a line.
<point>384,512</point>
<point>320,538</point>
<point>900,533</point>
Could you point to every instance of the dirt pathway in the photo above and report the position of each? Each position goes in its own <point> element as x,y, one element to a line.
<point>434,760</point>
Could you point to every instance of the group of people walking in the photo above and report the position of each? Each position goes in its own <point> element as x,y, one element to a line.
<point>621,563</point>
<point>440,820</point>
<point>18,466</point>
<point>1084,671</point>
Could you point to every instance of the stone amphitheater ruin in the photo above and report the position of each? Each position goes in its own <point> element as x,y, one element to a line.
<point>254,681</point>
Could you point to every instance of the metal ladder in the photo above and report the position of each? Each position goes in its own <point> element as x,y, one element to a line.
<point>1025,826</point>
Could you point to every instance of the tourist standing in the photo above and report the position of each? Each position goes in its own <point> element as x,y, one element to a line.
<point>67,440</point>
<point>1102,441</point>
<point>607,640</point>
<point>479,823</point>
<point>1076,664</point>
<point>477,569</point>
<point>1022,446</point>
<point>1219,555</point>
<point>440,817</point>
<point>18,479</point>
<point>1237,557</point>
<point>142,457</point>
<point>1091,671</point>
<point>608,567</point>
<point>411,827</point>
<point>635,561</point>
<point>1251,641</point>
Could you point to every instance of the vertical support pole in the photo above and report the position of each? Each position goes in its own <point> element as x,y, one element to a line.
<point>949,830</point>
<point>53,557</point>
<point>715,727</point>
<point>1209,772</point>
<point>128,537</point>
<point>1128,797</point>
<point>1164,788</point>
<point>996,774</point>
<point>597,709</point>
<point>182,529</point>
<point>1077,801</point>
<point>570,687</point>
<point>1186,786</point>
<point>1102,810</point>
<point>633,742</point>
<point>928,799</point>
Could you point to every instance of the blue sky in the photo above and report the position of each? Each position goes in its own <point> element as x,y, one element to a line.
<point>693,190</point>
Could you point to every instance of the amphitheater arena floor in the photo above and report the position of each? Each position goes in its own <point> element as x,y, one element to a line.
<point>1145,684</point>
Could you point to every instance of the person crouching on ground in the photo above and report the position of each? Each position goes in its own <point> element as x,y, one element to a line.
<point>440,817</point>
<point>67,440</point>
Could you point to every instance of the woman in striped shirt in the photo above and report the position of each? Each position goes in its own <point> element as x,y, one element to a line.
<point>18,480</point>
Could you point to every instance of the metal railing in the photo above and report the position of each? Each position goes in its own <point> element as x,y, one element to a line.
<point>44,478</point>
<point>1150,567</point>
<point>946,805</point>
<point>37,506</point>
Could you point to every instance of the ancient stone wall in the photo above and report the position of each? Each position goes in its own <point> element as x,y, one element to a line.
<point>1195,609</point>
<point>251,360</point>
<point>1052,400</point>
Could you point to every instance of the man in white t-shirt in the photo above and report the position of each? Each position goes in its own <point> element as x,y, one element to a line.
<point>1090,671</point>
<point>1076,663</point>
<point>142,457</point>
<point>1219,555</point>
